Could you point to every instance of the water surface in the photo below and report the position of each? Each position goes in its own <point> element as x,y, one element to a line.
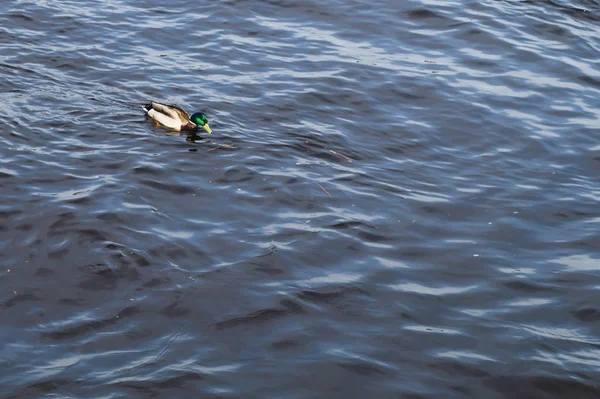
<point>400,199</point>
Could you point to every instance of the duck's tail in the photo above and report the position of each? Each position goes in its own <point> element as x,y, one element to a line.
<point>147,107</point>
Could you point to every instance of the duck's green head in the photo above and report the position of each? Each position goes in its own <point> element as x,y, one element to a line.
<point>201,119</point>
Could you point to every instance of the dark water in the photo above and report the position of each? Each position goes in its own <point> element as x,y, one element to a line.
<point>400,200</point>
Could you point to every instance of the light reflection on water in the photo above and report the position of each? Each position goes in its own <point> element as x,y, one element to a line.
<point>400,199</point>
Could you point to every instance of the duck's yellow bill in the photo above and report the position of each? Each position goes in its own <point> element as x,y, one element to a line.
<point>207,128</point>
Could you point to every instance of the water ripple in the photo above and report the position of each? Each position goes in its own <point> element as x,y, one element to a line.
<point>399,200</point>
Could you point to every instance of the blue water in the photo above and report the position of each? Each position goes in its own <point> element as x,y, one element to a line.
<point>399,200</point>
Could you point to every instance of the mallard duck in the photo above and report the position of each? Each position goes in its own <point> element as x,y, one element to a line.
<point>175,118</point>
